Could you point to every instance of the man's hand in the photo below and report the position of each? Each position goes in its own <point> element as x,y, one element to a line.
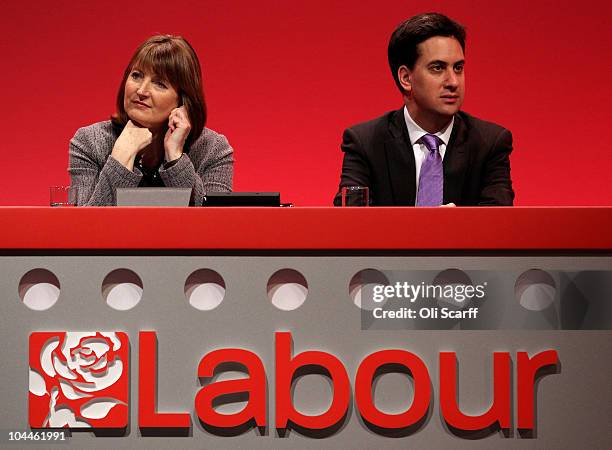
<point>132,139</point>
<point>448,205</point>
<point>178,130</point>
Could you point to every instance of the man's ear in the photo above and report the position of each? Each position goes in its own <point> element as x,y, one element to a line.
<point>403,75</point>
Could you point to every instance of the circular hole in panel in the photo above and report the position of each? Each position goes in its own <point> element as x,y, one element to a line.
<point>204,289</point>
<point>365,279</point>
<point>287,289</point>
<point>39,289</point>
<point>535,290</point>
<point>452,285</point>
<point>122,289</point>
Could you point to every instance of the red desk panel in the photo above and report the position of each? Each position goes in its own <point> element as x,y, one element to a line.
<point>578,228</point>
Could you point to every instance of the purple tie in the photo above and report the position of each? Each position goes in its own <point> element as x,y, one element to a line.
<point>431,179</point>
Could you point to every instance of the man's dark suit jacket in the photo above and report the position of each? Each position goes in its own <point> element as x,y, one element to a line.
<point>476,163</point>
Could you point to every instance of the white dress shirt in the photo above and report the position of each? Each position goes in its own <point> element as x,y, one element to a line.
<point>420,150</point>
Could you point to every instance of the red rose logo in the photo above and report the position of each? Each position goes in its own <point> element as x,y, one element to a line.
<point>78,380</point>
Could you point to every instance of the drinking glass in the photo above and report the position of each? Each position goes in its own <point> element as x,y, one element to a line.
<point>63,195</point>
<point>355,196</point>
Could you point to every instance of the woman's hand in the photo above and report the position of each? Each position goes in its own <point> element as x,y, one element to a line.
<point>178,130</point>
<point>131,140</point>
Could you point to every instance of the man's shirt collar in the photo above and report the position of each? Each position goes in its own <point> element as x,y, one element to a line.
<point>416,132</point>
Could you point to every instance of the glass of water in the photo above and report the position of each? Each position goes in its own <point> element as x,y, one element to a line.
<point>63,195</point>
<point>355,196</point>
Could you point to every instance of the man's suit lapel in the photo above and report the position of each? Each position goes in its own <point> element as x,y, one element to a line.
<point>456,159</point>
<point>400,161</point>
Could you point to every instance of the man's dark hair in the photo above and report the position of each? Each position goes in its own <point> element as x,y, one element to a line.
<point>403,45</point>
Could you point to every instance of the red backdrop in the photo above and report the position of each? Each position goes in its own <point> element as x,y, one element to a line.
<point>283,79</point>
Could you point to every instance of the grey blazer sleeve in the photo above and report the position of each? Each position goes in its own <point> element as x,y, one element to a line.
<point>94,172</point>
<point>207,167</point>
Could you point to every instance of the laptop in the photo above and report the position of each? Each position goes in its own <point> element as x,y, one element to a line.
<point>153,196</point>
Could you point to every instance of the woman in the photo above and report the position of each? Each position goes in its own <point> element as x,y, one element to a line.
<point>157,136</point>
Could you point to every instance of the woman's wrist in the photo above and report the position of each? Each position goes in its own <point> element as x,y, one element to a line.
<point>169,163</point>
<point>125,158</point>
<point>172,155</point>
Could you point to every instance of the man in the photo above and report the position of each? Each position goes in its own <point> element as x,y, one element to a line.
<point>429,153</point>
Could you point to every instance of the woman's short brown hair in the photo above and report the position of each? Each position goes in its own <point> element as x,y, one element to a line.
<point>173,59</point>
